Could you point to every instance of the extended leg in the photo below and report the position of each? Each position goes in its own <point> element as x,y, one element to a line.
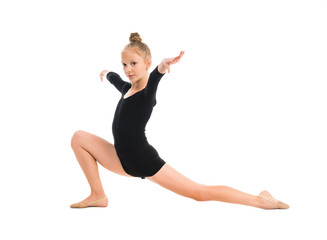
<point>169,178</point>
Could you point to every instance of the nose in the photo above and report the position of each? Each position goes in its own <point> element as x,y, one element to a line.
<point>127,69</point>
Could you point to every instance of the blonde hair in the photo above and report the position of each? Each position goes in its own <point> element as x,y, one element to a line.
<point>135,40</point>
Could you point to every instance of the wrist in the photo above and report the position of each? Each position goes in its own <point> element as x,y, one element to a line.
<point>162,68</point>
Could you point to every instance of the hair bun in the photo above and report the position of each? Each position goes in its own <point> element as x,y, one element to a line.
<point>135,37</point>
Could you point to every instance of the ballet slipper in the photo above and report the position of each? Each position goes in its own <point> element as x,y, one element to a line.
<point>91,204</point>
<point>277,203</point>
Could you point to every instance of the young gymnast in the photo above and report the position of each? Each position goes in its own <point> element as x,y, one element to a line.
<point>131,154</point>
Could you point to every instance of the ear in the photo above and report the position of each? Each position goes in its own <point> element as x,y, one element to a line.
<point>148,63</point>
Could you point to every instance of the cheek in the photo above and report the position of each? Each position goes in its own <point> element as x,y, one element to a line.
<point>138,69</point>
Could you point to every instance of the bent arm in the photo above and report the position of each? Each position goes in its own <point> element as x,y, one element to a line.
<point>114,79</point>
<point>103,73</point>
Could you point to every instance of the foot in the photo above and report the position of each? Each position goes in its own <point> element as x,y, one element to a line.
<point>267,201</point>
<point>92,201</point>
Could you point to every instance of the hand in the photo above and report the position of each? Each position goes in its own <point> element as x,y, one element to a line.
<point>169,61</point>
<point>103,73</point>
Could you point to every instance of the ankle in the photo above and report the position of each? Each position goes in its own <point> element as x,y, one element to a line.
<point>98,194</point>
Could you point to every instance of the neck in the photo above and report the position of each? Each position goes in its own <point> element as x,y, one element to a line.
<point>140,84</point>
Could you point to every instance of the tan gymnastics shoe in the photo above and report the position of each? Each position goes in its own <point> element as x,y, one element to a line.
<point>279,205</point>
<point>91,204</point>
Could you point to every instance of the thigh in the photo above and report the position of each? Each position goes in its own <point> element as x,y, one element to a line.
<point>101,150</point>
<point>172,180</point>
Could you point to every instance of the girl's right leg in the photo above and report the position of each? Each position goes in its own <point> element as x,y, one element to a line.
<point>89,150</point>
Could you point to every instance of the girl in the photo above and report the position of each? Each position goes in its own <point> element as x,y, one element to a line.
<point>131,154</point>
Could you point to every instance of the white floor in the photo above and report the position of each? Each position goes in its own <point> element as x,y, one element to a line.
<point>145,211</point>
<point>246,107</point>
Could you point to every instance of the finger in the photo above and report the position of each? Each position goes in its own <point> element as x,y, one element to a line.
<point>176,60</point>
<point>173,59</point>
<point>181,55</point>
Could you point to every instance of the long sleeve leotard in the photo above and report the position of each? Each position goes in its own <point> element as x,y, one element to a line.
<point>128,127</point>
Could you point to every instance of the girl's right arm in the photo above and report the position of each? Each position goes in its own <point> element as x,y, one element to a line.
<point>103,74</point>
<point>114,79</point>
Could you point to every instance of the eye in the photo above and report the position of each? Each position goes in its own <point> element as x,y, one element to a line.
<point>124,64</point>
<point>133,63</point>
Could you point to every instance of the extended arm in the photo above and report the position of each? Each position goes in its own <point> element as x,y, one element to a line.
<point>157,74</point>
<point>165,63</point>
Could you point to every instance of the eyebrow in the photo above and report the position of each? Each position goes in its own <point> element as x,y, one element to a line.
<point>130,61</point>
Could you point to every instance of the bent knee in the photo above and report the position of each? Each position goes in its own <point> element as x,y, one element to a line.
<point>201,193</point>
<point>77,138</point>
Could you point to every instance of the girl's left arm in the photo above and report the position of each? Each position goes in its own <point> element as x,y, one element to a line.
<point>165,63</point>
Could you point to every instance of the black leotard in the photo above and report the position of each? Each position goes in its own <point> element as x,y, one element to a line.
<point>137,156</point>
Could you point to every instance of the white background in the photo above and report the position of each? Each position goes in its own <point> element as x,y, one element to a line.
<point>246,107</point>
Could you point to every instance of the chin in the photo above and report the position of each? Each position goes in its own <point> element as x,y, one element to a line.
<point>133,79</point>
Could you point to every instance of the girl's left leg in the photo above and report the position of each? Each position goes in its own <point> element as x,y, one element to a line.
<point>174,181</point>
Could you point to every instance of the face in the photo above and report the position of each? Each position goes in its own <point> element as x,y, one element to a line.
<point>135,66</point>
